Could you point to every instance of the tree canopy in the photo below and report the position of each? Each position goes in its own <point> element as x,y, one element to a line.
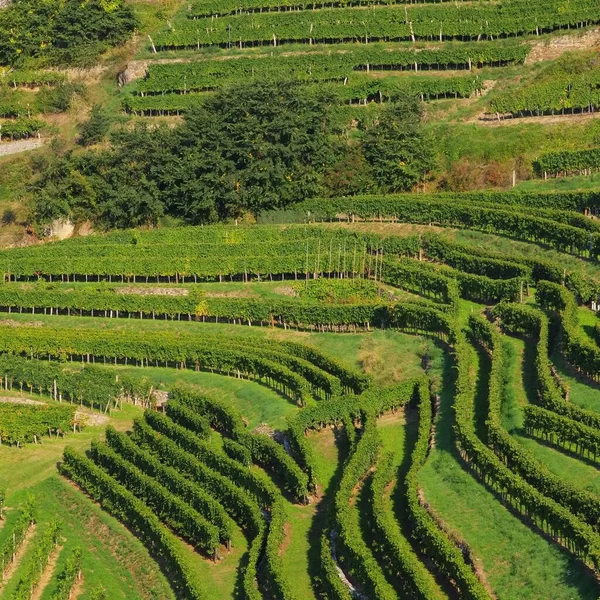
<point>248,149</point>
<point>62,31</point>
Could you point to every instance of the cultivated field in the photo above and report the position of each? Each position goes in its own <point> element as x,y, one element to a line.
<point>348,405</point>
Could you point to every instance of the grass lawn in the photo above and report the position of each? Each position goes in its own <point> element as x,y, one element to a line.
<point>255,402</point>
<point>582,392</point>
<point>587,321</point>
<point>518,563</point>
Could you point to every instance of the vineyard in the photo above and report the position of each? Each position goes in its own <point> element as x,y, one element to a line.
<point>377,397</point>
<point>364,53</point>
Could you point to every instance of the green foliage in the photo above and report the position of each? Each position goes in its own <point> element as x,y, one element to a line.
<point>236,501</point>
<point>17,534</point>
<point>22,423</point>
<point>246,149</point>
<point>263,450</point>
<point>545,513</point>
<point>399,555</point>
<point>90,385</point>
<point>123,504</point>
<point>205,75</point>
<point>581,503</point>
<point>170,478</point>
<point>447,558</point>
<point>357,558</point>
<point>430,21</point>
<point>569,85</point>
<point>550,393</point>
<point>62,32</point>
<point>20,128</point>
<point>552,228</point>
<point>568,162</point>
<point>397,151</point>
<point>32,570</point>
<point>171,509</point>
<point>94,130</point>
<point>68,576</point>
<point>343,291</point>
<point>578,348</point>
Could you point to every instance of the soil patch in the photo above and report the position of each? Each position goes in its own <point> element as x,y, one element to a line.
<point>47,574</point>
<point>153,291</point>
<point>232,294</point>
<point>286,290</point>
<point>14,565</point>
<point>555,47</point>
<point>11,323</point>
<point>14,400</point>
<point>287,538</point>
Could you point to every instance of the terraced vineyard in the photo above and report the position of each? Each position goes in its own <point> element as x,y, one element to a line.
<point>363,53</point>
<point>383,398</point>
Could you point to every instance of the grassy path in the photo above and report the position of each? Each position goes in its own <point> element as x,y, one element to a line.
<point>491,531</point>
<point>568,468</point>
<point>398,432</point>
<point>301,556</point>
<point>582,392</point>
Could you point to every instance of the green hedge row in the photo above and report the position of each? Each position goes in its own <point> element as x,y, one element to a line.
<point>187,522</point>
<point>515,221</point>
<point>434,542</point>
<point>316,66</point>
<point>22,423</point>
<point>396,554</point>
<point>581,352</point>
<point>89,385</point>
<point>257,487</point>
<point>32,570</point>
<point>518,459</point>
<point>344,409</point>
<point>355,555</point>
<point>553,519</point>
<point>567,162</point>
<point>517,318</point>
<point>160,347</point>
<point>68,576</point>
<point>264,451</point>
<point>562,431</point>
<point>434,22</point>
<point>122,504</point>
<point>197,496</point>
<point>16,535</point>
<point>239,505</point>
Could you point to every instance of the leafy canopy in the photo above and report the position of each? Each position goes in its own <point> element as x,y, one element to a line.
<point>62,31</point>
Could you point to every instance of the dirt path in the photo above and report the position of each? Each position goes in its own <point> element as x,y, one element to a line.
<point>7,148</point>
<point>488,121</point>
<point>77,589</point>
<point>14,400</point>
<point>47,574</point>
<point>14,565</point>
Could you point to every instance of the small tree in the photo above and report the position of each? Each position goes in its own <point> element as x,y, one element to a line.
<point>397,150</point>
<point>96,127</point>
